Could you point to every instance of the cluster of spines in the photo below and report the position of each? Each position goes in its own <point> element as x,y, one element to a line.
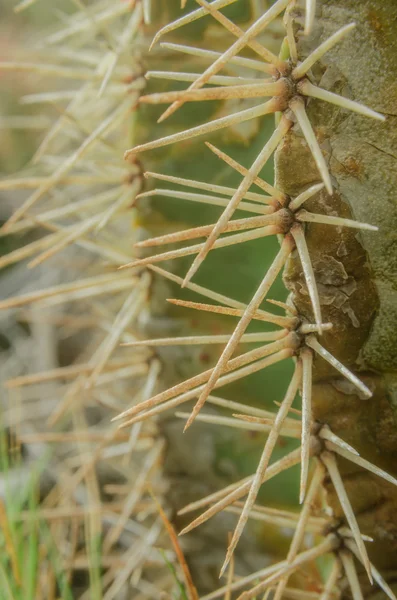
<point>78,191</point>
<point>275,214</point>
<point>289,86</point>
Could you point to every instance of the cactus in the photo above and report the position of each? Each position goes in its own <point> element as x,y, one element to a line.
<point>311,65</point>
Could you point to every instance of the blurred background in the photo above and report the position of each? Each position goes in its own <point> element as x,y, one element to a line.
<point>66,555</point>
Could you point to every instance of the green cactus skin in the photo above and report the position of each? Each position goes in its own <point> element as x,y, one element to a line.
<point>356,273</point>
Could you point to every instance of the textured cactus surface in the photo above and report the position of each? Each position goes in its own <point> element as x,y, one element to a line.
<point>274,170</point>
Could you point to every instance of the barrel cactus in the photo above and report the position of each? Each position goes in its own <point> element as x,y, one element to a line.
<point>282,138</point>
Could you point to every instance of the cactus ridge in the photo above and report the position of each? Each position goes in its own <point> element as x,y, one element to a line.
<point>116,89</point>
<point>290,85</point>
